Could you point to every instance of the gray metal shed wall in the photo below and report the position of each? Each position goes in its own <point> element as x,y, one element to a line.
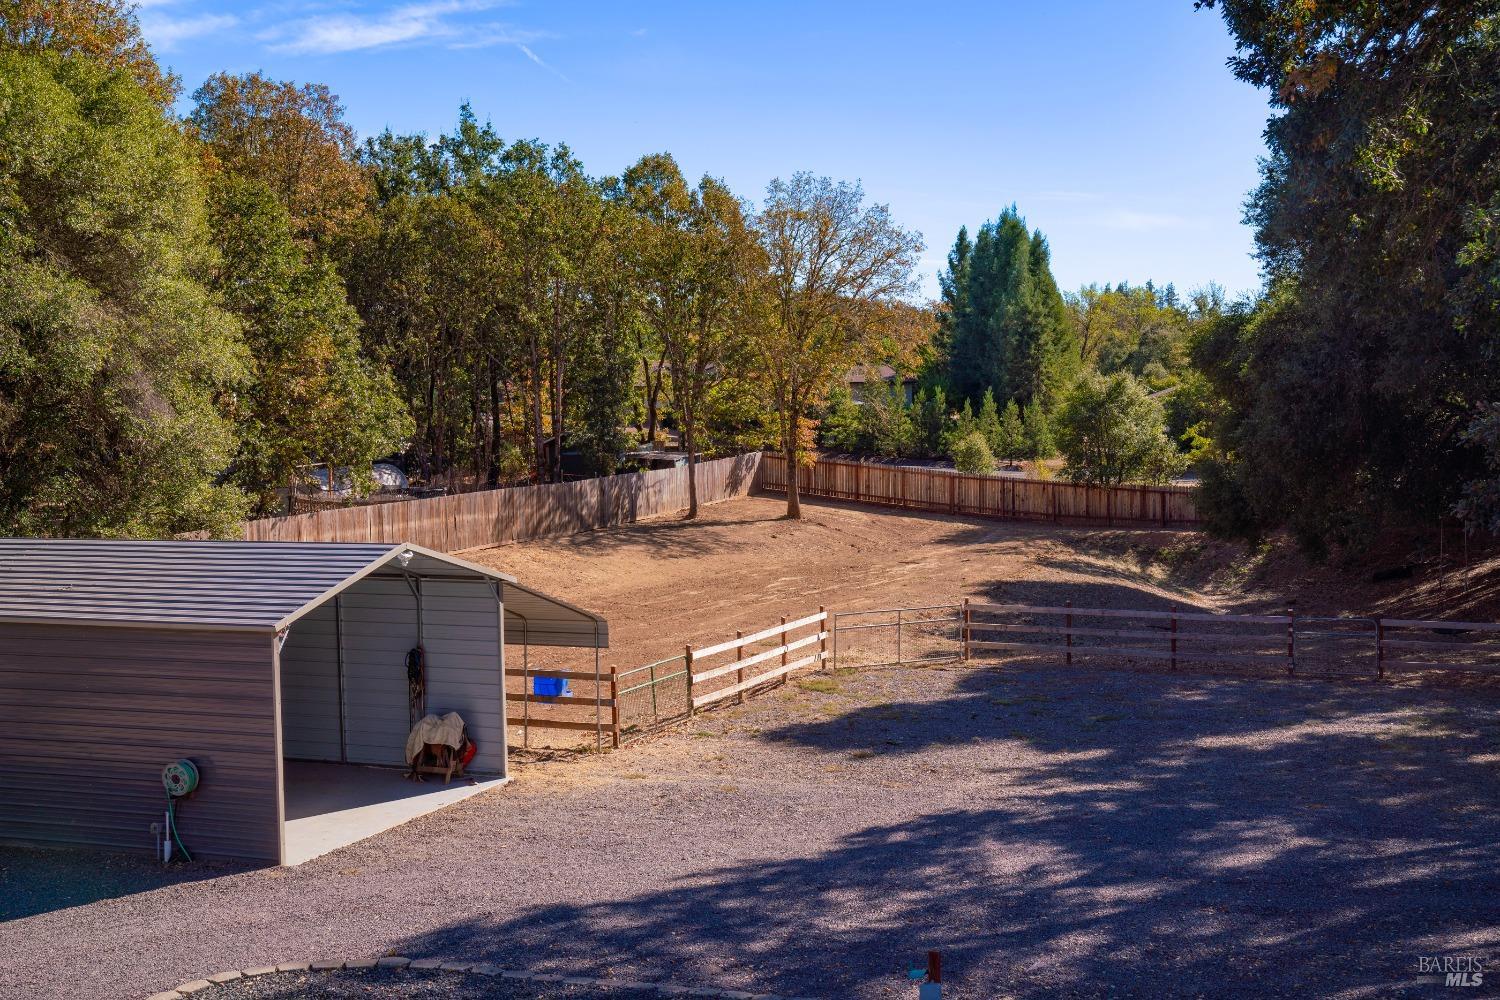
<point>310,686</point>
<point>380,627</point>
<point>89,716</point>
<point>461,635</point>
<point>460,631</point>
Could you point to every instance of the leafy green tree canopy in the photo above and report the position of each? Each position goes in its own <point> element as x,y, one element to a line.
<point>1005,326</point>
<point>1111,432</point>
<point>104,31</point>
<point>1358,392</point>
<point>971,453</point>
<point>312,396</point>
<point>113,353</point>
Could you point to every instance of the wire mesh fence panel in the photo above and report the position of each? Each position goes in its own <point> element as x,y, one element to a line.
<point>653,695</point>
<point>1337,646</point>
<point>889,636</point>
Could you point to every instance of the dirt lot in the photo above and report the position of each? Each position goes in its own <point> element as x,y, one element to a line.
<point>1055,832</point>
<point>666,582</point>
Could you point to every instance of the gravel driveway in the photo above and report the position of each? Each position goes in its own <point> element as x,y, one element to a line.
<point>1054,832</point>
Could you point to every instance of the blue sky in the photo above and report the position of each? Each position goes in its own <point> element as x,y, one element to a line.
<point>1114,126</point>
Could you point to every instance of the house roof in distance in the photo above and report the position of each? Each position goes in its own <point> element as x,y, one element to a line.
<point>860,374</point>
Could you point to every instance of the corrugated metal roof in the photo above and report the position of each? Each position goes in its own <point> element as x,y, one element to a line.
<point>236,585</point>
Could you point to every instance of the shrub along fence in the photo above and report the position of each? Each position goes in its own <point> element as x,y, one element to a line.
<point>516,514</point>
<point>948,492</point>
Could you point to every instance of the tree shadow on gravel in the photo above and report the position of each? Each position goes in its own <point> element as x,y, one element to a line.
<point>37,880</point>
<point>1138,835</point>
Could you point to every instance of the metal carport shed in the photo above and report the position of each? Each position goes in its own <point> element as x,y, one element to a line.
<point>273,666</point>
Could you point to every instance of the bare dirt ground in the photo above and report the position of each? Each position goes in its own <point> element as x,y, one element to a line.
<point>666,582</point>
<point>1055,831</point>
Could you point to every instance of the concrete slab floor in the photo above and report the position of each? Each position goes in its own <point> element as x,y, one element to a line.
<point>329,806</point>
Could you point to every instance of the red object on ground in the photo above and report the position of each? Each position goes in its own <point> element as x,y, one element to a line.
<point>468,752</point>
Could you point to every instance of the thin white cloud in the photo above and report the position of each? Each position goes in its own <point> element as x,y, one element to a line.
<point>414,23</point>
<point>165,33</point>
<point>489,35</point>
<point>1141,222</point>
<point>1072,197</point>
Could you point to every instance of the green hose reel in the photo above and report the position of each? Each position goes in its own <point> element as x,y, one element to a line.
<point>179,779</point>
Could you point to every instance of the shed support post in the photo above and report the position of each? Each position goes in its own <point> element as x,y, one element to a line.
<point>504,702</point>
<point>338,631</point>
<point>525,685</point>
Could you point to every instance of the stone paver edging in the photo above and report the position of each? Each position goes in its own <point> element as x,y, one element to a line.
<point>197,986</point>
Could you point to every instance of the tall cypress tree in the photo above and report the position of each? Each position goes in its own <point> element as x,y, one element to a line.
<point>1006,324</point>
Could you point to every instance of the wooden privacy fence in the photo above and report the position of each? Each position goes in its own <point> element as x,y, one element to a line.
<point>493,517</point>
<point>1282,642</point>
<point>948,492</point>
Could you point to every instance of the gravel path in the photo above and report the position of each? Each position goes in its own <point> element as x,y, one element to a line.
<point>1054,832</point>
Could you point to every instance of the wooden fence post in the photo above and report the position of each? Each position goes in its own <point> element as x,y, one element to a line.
<point>687,656</point>
<point>783,642</point>
<point>614,705</point>
<point>1174,637</point>
<point>739,654</point>
<point>822,643</point>
<point>1068,634</point>
<point>1379,649</point>
<point>1291,641</point>
<point>964,637</point>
